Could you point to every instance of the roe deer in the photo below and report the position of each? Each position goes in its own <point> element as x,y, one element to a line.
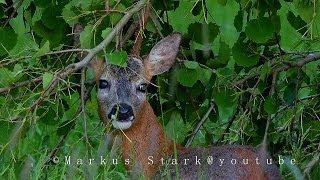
<point>122,102</point>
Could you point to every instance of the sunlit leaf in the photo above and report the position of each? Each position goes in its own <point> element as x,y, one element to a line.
<point>118,58</point>
<point>43,50</point>
<point>191,64</point>
<point>187,77</point>
<point>181,18</point>
<point>224,17</point>
<point>290,38</point>
<point>47,78</point>
<point>86,37</point>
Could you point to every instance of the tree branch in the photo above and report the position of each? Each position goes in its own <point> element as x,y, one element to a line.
<point>285,66</point>
<point>21,84</point>
<point>195,131</point>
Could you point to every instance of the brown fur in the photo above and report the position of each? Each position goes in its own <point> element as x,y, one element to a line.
<point>225,171</point>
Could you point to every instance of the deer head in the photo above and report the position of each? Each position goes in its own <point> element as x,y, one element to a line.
<point>122,91</point>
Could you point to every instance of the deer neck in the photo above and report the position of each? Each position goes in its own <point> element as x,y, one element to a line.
<point>145,143</point>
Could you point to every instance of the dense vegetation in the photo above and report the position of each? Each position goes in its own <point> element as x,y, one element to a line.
<point>248,71</point>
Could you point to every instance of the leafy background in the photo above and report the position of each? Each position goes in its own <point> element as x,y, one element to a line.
<point>244,65</point>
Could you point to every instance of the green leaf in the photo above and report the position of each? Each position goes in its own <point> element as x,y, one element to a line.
<point>1,12</point>
<point>51,17</point>
<point>203,33</point>
<point>304,92</point>
<point>290,38</point>
<point>2,1</point>
<point>260,30</point>
<point>226,102</point>
<point>224,53</point>
<point>17,71</point>
<point>55,36</point>
<point>243,55</point>
<point>289,93</point>
<point>181,18</point>
<point>47,113</point>
<point>118,58</point>
<point>265,71</point>
<point>18,23</point>
<point>43,50</point>
<point>25,42</point>
<point>47,78</point>
<point>224,17</point>
<point>8,39</point>
<point>191,64</point>
<point>222,2</point>
<point>270,105</point>
<point>314,127</point>
<point>65,127</point>
<point>7,77</point>
<point>176,129</point>
<point>187,77</point>
<point>115,17</point>
<point>73,102</point>
<point>307,9</point>
<point>43,3</point>
<point>37,15</point>
<point>204,75</point>
<point>225,71</point>
<point>86,37</point>
<point>6,128</point>
<point>312,70</point>
<point>106,32</point>
<point>68,15</point>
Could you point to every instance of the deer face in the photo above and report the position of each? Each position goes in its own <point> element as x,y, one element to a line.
<point>122,91</point>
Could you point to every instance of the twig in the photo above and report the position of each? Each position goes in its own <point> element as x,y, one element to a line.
<point>132,28</point>
<point>87,83</point>
<point>156,23</point>
<point>310,165</point>
<point>83,77</point>
<point>227,130</point>
<point>241,81</point>
<point>285,66</point>
<point>10,61</point>
<point>21,84</point>
<point>201,65</point>
<point>145,14</point>
<point>13,12</point>
<point>195,131</point>
<point>56,148</point>
<point>309,97</point>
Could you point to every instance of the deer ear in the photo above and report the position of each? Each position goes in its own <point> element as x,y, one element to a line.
<point>97,65</point>
<point>162,55</point>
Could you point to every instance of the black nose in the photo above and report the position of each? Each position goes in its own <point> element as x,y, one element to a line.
<point>122,112</point>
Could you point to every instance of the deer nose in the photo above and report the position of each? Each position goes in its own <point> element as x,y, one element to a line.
<point>121,112</point>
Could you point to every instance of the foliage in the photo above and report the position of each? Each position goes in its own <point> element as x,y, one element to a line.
<point>256,61</point>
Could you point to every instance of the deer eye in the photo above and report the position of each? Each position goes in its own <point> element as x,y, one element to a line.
<point>142,87</point>
<point>103,84</point>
